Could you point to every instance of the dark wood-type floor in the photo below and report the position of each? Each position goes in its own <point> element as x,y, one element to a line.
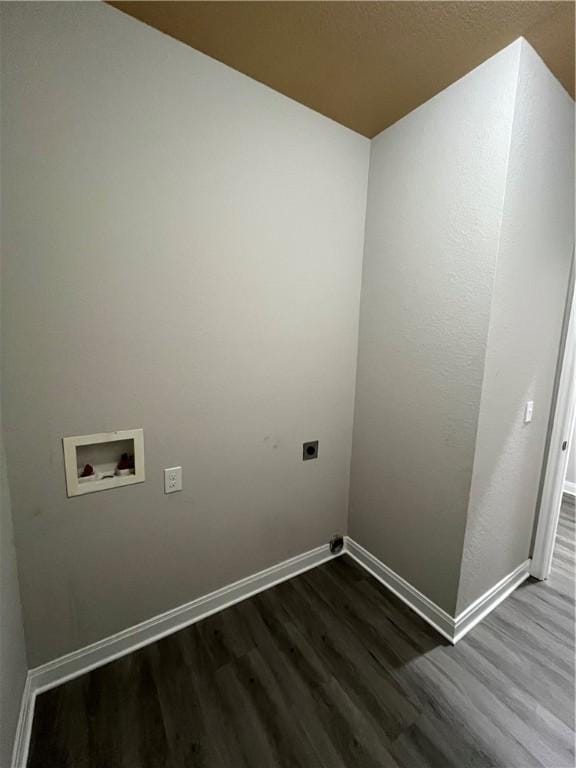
<point>329,669</point>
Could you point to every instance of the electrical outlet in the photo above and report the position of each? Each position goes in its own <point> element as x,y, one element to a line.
<point>528,411</point>
<point>310,450</point>
<point>172,479</point>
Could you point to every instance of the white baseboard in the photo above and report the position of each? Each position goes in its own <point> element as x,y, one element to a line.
<point>83,660</point>
<point>420,604</point>
<point>97,654</point>
<point>569,488</point>
<point>486,603</point>
<point>450,627</point>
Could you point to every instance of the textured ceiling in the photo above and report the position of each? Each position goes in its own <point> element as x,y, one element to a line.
<point>364,64</point>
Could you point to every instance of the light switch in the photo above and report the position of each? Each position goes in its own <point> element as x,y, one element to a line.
<point>528,411</point>
<point>172,479</point>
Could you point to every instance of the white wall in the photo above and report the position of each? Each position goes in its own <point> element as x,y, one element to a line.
<point>183,253</point>
<point>469,238</point>
<point>530,291</point>
<point>13,663</point>
<point>436,192</point>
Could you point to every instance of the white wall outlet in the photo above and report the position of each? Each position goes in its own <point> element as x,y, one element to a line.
<point>172,479</point>
<point>528,411</point>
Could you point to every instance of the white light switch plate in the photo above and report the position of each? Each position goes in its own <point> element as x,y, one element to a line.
<point>528,411</point>
<point>172,479</point>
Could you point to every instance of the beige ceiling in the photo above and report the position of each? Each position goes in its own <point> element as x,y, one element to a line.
<point>364,64</point>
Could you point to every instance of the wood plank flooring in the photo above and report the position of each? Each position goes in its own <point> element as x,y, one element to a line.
<point>331,670</point>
